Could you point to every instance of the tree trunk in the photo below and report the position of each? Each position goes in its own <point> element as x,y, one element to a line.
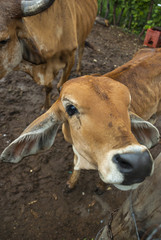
<point>107,9</point>
<point>150,10</point>
<point>148,17</point>
<point>120,15</point>
<point>142,207</point>
<point>114,12</point>
<point>101,7</point>
<point>130,21</point>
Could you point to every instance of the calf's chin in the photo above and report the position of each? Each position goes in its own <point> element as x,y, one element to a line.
<point>126,187</point>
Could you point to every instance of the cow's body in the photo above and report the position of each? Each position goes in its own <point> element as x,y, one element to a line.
<point>96,121</point>
<point>142,76</point>
<point>46,42</point>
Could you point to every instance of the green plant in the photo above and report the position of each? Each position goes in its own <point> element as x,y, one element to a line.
<point>134,15</point>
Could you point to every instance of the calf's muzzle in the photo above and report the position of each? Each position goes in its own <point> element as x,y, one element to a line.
<point>135,167</point>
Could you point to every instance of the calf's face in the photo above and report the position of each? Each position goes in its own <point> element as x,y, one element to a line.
<point>97,122</point>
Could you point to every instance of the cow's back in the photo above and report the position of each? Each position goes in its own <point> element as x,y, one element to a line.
<point>86,11</point>
<point>61,27</point>
<point>142,75</point>
<point>53,30</point>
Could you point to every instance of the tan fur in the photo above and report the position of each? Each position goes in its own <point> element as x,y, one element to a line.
<point>104,125</point>
<point>142,76</point>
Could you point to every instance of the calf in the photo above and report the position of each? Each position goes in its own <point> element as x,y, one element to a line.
<point>97,121</point>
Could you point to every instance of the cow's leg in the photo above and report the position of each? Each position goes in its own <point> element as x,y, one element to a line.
<point>66,70</point>
<point>48,90</point>
<point>74,177</point>
<point>36,71</point>
<point>80,54</point>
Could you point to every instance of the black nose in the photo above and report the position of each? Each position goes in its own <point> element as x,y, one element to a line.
<point>135,167</point>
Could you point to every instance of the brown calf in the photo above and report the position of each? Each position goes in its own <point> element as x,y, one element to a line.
<point>97,121</point>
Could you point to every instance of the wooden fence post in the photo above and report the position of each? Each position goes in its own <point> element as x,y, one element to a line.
<point>143,207</point>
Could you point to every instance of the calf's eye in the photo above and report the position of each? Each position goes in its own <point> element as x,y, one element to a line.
<point>71,110</point>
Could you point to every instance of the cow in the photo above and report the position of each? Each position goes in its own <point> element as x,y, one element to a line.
<point>105,135</point>
<point>45,43</point>
<point>142,76</point>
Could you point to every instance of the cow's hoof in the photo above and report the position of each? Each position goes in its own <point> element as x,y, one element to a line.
<point>67,189</point>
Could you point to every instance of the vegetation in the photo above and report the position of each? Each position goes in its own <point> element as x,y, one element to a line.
<point>133,15</point>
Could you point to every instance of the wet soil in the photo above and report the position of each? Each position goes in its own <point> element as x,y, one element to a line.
<point>33,203</point>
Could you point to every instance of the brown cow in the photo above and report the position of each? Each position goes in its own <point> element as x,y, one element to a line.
<point>43,44</point>
<point>142,76</point>
<point>96,121</point>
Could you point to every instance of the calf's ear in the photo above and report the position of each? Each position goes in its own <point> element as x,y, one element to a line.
<point>38,136</point>
<point>145,132</point>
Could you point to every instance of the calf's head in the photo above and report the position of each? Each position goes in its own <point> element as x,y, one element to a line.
<point>96,120</point>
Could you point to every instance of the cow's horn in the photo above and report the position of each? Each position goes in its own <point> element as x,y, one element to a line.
<point>33,7</point>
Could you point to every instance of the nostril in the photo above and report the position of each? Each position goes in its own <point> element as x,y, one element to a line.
<point>135,166</point>
<point>123,164</point>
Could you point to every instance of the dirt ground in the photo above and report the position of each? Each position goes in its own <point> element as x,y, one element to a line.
<point>33,204</point>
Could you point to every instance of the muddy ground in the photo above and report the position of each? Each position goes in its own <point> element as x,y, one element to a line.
<point>33,204</point>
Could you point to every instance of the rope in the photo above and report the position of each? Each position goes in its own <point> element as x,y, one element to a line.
<point>154,232</point>
<point>133,216</point>
<point>109,231</point>
<point>150,237</point>
<point>99,233</point>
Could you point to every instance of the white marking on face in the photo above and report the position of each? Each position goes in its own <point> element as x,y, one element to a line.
<point>108,169</point>
<point>41,78</point>
<point>59,32</point>
<point>81,162</point>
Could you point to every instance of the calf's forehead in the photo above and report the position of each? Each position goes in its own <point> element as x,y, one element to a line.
<point>90,91</point>
<point>103,105</point>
